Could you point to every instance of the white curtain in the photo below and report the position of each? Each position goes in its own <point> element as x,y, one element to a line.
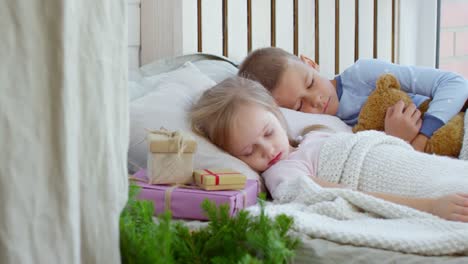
<point>63,130</point>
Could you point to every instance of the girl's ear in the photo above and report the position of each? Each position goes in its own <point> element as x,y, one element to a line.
<point>309,62</point>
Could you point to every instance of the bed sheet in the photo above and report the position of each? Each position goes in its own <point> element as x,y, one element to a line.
<point>324,251</point>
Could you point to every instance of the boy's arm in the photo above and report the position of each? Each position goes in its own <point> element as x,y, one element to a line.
<point>448,91</point>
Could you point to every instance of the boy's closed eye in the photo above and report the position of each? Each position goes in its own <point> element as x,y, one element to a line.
<point>309,84</point>
<point>299,105</point>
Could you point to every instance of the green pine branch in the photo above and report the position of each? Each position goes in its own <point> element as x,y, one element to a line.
<point>240,239</point>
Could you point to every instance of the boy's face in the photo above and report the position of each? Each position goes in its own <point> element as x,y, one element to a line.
<point>259,139</point>
<point>303,89</point>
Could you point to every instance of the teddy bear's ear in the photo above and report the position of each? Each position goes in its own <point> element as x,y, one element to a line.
<point>388,81</point>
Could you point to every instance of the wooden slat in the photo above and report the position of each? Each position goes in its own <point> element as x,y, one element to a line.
<point>249,25</point>
<point>393,30</point>
<point>225,28</point>
<point>437,57</point>
<point>296,27</point>
<point>337,36</point>
<point>317,59</point>
<point>199,25</point>
<point>356,30</point>
<point>273,23</point>
<point>375,29</point>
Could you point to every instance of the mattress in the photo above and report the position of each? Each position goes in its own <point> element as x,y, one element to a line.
<point>324,251</point>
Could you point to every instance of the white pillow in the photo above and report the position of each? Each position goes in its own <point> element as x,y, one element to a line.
<point>167,106</point>
<point>140,84</point>
<point>297,121</point>
<point>216,70</point>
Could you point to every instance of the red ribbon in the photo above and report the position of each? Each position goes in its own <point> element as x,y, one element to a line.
<point>215,175</point>
<point>211,173</point>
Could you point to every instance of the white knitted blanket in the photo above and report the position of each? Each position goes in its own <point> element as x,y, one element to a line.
<point>375,162</point>
<point>350,217</point>
<point>372,161</point>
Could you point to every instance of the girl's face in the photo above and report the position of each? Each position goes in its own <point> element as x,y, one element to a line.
<point>258,138</point>
<point>303,89</point>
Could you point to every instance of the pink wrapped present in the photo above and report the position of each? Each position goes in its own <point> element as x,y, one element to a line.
<point>185,203</point>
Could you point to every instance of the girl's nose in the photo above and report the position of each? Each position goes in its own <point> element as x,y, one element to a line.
<point>268,151</point>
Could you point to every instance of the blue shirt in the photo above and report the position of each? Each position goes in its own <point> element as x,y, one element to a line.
<point>448,90</point>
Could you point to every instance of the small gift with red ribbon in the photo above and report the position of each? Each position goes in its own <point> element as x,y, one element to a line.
<point>219,179</point>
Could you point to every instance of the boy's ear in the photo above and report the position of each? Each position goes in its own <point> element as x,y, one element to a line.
<point>309,62</point>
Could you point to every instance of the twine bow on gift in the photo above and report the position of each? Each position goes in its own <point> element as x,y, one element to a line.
<point>176,136</point>
<point>171,162</point>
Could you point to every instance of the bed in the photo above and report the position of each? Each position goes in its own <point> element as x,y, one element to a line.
<point>177,81</point>
<point>168,82</point>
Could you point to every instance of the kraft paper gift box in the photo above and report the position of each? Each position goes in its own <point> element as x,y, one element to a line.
<point>219,179</point>
<point>185,203</point>
<point>170,157</point>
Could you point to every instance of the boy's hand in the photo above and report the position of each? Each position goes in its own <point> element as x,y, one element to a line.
<point>451,207</point>
<point>419,142</point>
<point>403,122</point>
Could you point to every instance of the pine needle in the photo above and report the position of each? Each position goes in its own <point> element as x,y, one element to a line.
<point>240,239</point>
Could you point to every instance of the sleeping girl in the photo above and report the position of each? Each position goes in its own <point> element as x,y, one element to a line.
<point>241,117</point>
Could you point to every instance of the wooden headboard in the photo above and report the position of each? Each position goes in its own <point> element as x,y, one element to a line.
<point>334,33</point>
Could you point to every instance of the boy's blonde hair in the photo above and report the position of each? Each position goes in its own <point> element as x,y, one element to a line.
<point>212,115</point>
<point>266,65</point>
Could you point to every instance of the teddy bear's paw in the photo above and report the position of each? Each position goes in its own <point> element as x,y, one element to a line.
<point>447,140</point>
<point>388,81</point>
<point>358,128</point>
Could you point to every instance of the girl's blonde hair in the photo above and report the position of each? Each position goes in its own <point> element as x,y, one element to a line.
<point>212,115</point>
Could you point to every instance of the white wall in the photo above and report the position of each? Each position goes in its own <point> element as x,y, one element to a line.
<point>418,32</point>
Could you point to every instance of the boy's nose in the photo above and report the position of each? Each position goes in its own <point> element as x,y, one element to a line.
<point>312,104</point>
<point>317,101</point>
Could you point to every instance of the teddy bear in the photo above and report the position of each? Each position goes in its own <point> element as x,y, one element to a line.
<point>446,141</point>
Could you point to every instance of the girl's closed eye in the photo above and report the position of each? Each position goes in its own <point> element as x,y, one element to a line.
<point>269,133</point>
<point>248,153</point>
